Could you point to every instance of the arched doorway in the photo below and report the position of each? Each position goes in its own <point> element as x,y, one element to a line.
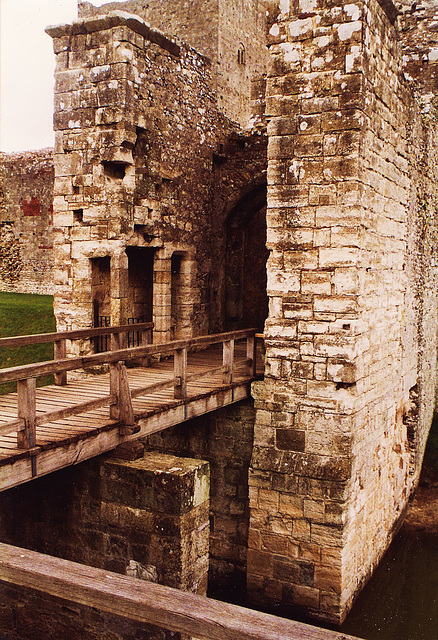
<point>246,300</point>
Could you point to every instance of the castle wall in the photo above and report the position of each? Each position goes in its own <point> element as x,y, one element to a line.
<point>230,34</point>
<point>147,518</point>
<point>351,333</point>
<point>130,172</point>
<point>224,439</point>
<point>26,259</point>
<point>419,40</point>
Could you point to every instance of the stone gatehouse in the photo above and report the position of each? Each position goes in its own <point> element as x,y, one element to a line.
<point>269,164</point>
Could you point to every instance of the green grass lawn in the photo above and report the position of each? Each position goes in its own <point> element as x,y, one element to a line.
<point>24,314</point>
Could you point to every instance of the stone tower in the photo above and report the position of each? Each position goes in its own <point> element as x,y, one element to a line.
<point>231,33</point>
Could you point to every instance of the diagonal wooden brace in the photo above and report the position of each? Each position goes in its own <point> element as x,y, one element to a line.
<point>122,410</point>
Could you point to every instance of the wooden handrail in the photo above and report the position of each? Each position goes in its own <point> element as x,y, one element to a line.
<point>82,362</point>
<point>41,338</point>
<point>147,602</point>
<point>120,395</point>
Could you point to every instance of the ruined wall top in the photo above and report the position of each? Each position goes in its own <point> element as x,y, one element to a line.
<point>115,19</point>
<point>419,38</point>
<point>231,33</point>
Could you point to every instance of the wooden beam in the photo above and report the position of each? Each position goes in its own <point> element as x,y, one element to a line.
<point>251,354</point>
<point>69,364</point>
<point>18,470</point>
<point>60,353</point>
<point>26,391</point>
<point>228,360</point>
<point>147,602</point>
<point>42,338</point>
<point>180,373</point>
<point>122,409</point>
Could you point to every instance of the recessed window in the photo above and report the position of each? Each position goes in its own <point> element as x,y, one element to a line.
<point>78,215</point>
<point>115,170</point>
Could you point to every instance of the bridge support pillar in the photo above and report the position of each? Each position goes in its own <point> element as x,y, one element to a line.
<point>147,518</point>
<point>156,509</point>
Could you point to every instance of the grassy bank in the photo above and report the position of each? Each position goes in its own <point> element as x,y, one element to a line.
<point>24,314</point>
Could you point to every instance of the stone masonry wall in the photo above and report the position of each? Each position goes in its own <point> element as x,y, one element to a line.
<point>225,440</point>
<point>26,614</point>
<point>26,258</point>
<point>418,22</point>
<point>398,350</point>
<point>147,518</point>
<point>218,29</point>
<point>129,172</point>
<point>330,467</point>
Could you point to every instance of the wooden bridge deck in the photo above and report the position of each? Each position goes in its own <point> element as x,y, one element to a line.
<point>63,439</point>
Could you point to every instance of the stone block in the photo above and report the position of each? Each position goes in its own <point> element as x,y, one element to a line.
<point>316,282</point>
<point>260,563</point>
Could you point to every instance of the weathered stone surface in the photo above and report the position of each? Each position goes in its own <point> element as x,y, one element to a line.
<point>342,351</point>
<point>26,244</point>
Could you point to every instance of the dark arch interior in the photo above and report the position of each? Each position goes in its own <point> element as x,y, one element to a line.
<point>246,300</point>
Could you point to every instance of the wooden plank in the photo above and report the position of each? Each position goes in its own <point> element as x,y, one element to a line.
<point>147,602</point>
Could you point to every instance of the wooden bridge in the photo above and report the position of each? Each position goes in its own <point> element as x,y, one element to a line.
<point>45,429</point>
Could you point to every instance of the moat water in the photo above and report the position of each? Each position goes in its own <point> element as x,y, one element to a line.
<point>400,602</point>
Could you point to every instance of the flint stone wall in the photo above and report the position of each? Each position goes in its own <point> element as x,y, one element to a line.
<point>26,257</point>
<point>349,390</point>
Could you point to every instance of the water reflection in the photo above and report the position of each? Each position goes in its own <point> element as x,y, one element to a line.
<point>400,602</point>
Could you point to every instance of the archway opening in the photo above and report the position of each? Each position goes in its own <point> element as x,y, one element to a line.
<point>139,306</point>
<point>246,299</point>
<point>101,297</point>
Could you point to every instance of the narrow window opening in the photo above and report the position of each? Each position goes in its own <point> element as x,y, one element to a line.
<point>78,215</point>
<point>241,54</point>
<point>114,170</point>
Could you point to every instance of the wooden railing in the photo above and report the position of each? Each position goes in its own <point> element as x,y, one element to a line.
<point>60,338</point>
<point>149,603</point>
<point>120,395</point>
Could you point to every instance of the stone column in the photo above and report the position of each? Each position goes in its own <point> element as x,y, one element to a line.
<point>162,296</point>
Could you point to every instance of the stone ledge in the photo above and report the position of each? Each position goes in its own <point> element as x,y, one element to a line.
<point>115,19</point>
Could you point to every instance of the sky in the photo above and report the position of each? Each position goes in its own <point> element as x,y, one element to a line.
<point>27,64</point>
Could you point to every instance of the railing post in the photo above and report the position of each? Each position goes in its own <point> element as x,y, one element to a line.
<point>26,390</point>
<point>180,372</point>
<point>60,353</point>
<point>251,354</point>
<point>115,341</point>
<point>228,360</point>
<point>122,410</point>
<point>146,338</point>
